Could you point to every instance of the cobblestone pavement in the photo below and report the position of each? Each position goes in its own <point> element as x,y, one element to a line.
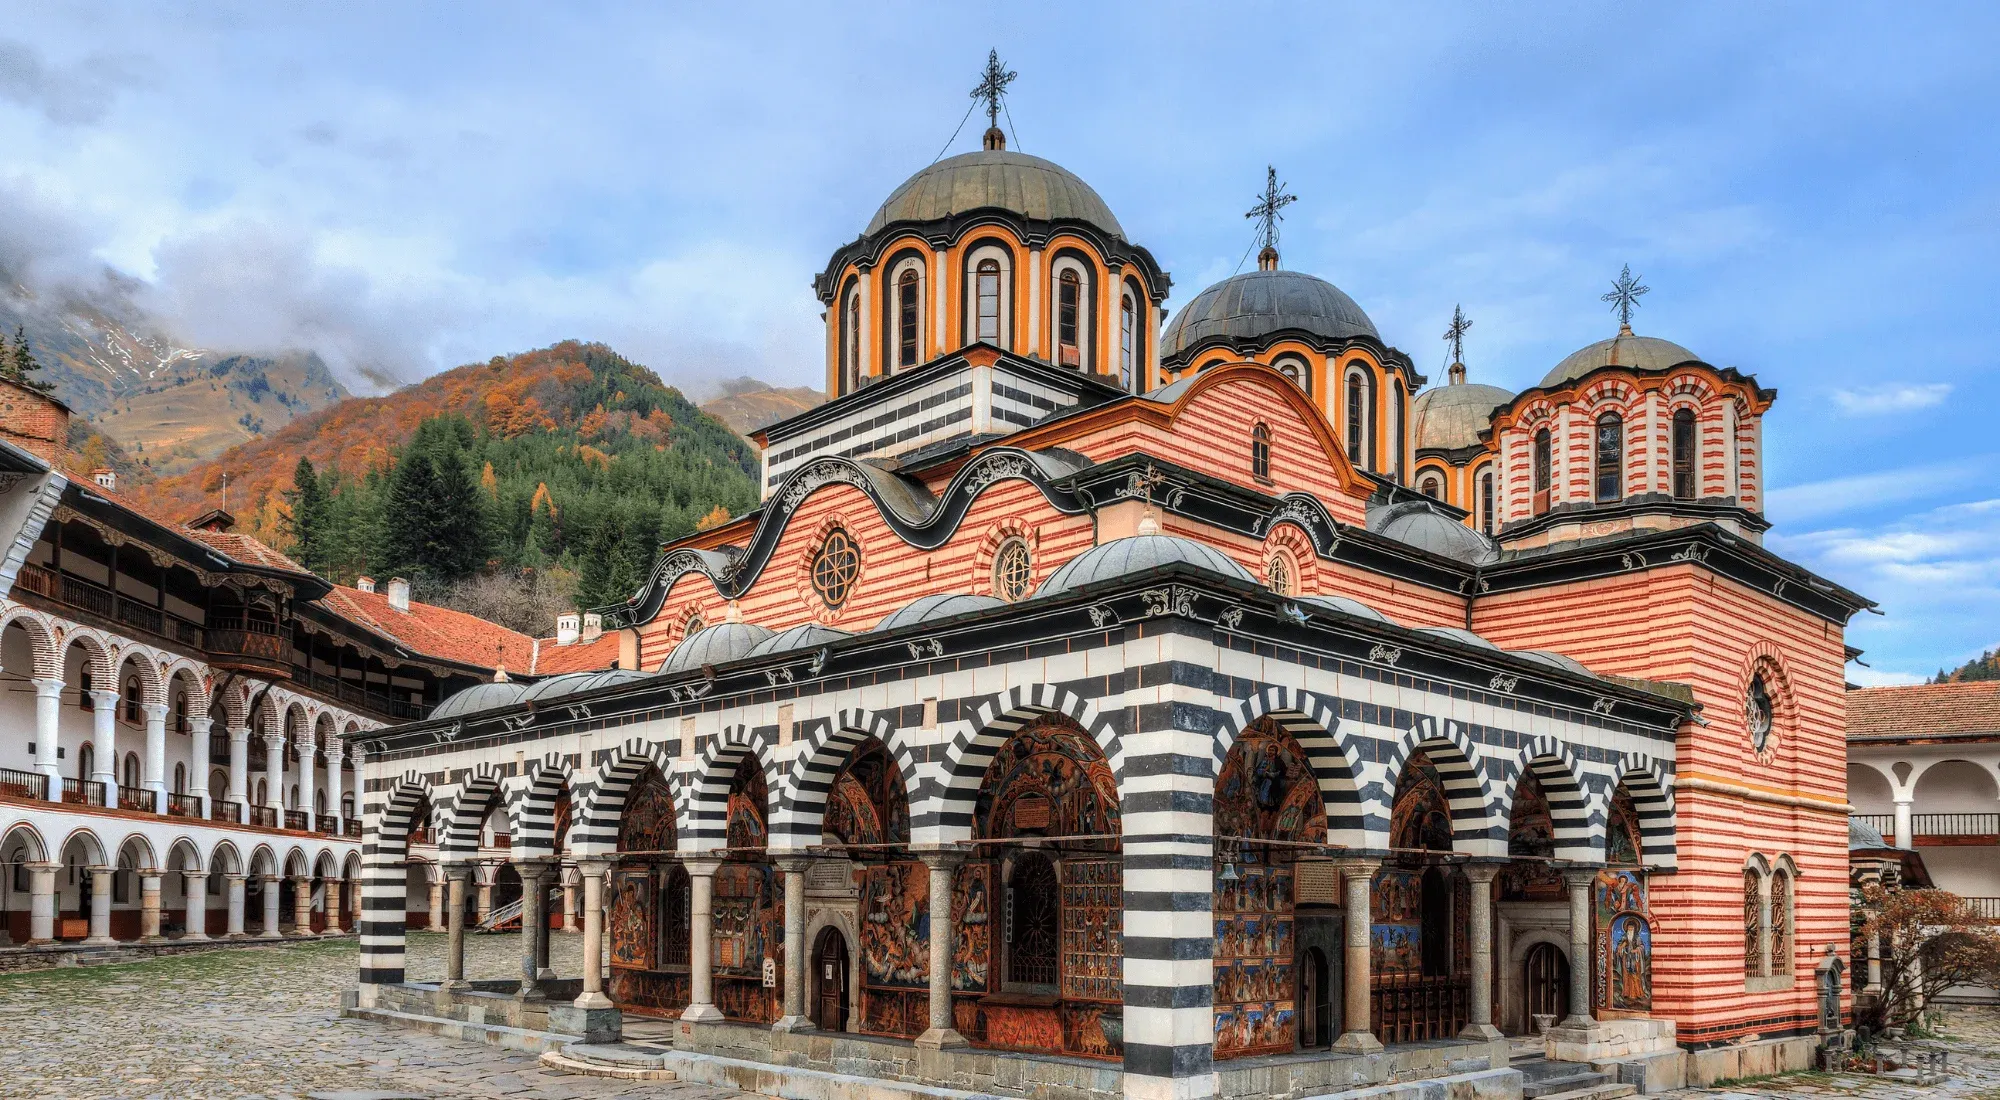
<point>264,1021</point>
<point>1971,1038</point>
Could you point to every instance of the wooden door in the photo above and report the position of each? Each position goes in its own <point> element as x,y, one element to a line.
<point>1315,1007</point>
<point>1545,984</point>
<point>830,981</point>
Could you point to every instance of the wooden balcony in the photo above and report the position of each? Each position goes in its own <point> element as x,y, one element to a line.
<point>23,786</point>
<point>264,816</point>
<point>183,805</point>
<point>1945,830</point>
<point>248,645</point>
<point>296,820</point>
<point>1881,823</point>
<point>83,792</point>
<point>218,810</point>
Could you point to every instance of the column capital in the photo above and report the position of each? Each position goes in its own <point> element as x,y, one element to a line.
<point>942,859</point>
<point>1483,872</point>
<point>200,723</point>
<point>100,869</point>
<point>154,711</point>
<point>103,699</point>
<point>1351,866</point>
<point>274,739</point>
<point>457,869</point>
<point>233,877</point>
<point>1575,876</point>
<point>44,866</point>
<point>153,873</point>
<point>48,687</point>
<point>701,866</point>
<point>593,866</point>
<point>237,733</point>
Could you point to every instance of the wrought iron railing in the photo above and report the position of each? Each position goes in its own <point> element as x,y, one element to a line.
<point>353,827</point>
<point>266,816</point>
<point>296,819</point>
<point>219,810</point>
<point>23,785</point>
<point>328,824</point>
<point>83,792</point>
<point>183,805</point>
<point>138,798</point>
<point>1956,825</point>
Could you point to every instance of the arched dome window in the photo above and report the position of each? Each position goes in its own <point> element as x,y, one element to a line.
<point>1069,320</point>
<point>1260,452</point>
<point>1013,569</point>
<point>1686,438</point>
<point>1610,457</point>
<point>988,306</point>
<point>1360,418</point>
<point>1294,368</point>
<point>1486,500</point>
<point>1128,340</point>
<point>909,295</point>
<point>1541,471</point>
<point>1431,487</point>
<point>1278,574</point>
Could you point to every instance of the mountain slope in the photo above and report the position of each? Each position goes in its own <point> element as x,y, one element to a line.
<point>600,415</point>
<point>169,405</point>
<point>747,404</point>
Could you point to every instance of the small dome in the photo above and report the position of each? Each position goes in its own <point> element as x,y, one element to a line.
<point>1257,304</point>
<point>1555,660</point>
<point>1416,523</point>
<point>930,608</point>
<point>1456,634</point>
<point>480,697</point>
<point>1139,554</point>
<point>1622,350</point>
<point>719,644</point>
<point>808,636</point>
<point>1344,606</point>
<point>995,179</point>
<point>1450,417</point>
<point>1863,837</point>
<point>569,683</point>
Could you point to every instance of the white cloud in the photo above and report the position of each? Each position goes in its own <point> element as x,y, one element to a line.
<point>1873,678</point>
<point>1892,398</point>
<point>1834,496</point>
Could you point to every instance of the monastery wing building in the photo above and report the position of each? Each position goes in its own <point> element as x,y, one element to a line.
<point>1162,702</point>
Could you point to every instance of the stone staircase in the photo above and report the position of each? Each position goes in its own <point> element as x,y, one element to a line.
<point>1546,1080</point>
<point>503,918</point>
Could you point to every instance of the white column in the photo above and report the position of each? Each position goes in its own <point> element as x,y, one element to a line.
<point>272,884</point>
<point>569,907</point>
<point>149,905</point>
<point>593,934</point>
<point>195,885</point>
<point>1579,883</point>
<point>100,906</point>
<point>274,772</point>
<point>701,977</point>
<point>198,731</point>
<point>239,772</point>
<point>235,885</point>
<point>48,715</point>
<point>436,911</point>
<point>941,1033</point>
<point>309,778</point>
<point>1480,1025</point>
<point>336,752</point>
<point>104,741</point>
<point>42,902</point>
<point>1357,878</point>
<point>794,1016</point>
<point>156,753</point>
<point>1904,837</point>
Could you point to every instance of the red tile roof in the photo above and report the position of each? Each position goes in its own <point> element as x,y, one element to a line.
<point>552,659</point>
<point>435,631</point>
<point>1925,710</point>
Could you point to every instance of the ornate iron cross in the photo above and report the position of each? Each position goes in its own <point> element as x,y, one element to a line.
<point>1624,296</point>
<point>1266,212</point>
<point>1455,335</point>
<point>993,86</point>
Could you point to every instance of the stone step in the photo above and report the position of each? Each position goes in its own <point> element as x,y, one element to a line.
<point>613,1060</point>
<point>1566,1085</point>
<point>1608,1090</point>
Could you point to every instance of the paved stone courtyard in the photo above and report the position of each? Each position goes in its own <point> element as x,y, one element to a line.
<point>263,1022</point>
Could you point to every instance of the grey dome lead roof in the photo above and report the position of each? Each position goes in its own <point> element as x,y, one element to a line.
<point>941,606</point>
<point>1622,350</point>
<point>1256,304</point>
<point>719,644</point>
<point>1139,554</point>
<point>1450,417</point>
<point>480,697</point>
<point>995,178</point>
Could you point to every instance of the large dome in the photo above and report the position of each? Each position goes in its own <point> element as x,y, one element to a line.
<point>995,179</point>
<point>1450,417</point>
<point>1139,554</point>
<point>1622,350</point>
<point>1256,304</point>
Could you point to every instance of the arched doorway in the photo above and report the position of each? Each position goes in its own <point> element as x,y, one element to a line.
<point>1545,982</point>
<point>649,925</point>
<point>829,1004</point>
<point>1315,1000</point>
<point>1420,960</point>
<point>867,811</point>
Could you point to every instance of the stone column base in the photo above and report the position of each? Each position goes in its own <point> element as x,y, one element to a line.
<point>702,1014</point>
<point>1357,1042</point>
<point>791,1023</point>
<point>99,941</point>
<point>941,1038</point>
<point>1608,1040</point>
<point>1481,1033</point>
<point>596,1025</point>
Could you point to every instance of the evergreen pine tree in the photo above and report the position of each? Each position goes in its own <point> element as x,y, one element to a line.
<point>307,525</point>
<point>21,366</point>
<point>434,520</point>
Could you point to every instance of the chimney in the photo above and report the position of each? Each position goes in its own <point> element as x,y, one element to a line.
<point>399,593</point>
<point>365,584</point>
<point>593,627</point>
<point>566,628</point>
<point>34,422</point>
<point>106,477</point>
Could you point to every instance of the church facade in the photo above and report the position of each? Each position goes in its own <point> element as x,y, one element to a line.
<point>1170,700</point>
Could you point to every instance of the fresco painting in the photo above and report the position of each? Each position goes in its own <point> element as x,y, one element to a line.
<point>632,919</point>
<point>1531,841</point>
<point>972,917</point>
<point>1624,943</point>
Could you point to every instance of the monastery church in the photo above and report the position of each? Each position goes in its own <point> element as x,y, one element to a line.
<point>1101,703</point>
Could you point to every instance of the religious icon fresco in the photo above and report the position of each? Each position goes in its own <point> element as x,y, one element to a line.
<point>639,978</point>
<point>1621,841</point>
<point>1624,943</point>
<point>1267,791</point>
<point>748,907</point>
<point>1531,840</point>
<point>972,917</point>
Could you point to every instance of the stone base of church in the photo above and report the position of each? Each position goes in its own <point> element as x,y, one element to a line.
<point>489,1012</point>
<point>1610,1041</point>
<point>1760,1058</point>
<point>755,1059</point>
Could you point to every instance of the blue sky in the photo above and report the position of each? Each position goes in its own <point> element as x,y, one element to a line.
<point>1810,190</point>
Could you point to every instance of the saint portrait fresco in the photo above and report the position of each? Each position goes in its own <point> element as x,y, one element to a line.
<point>1624,943</point>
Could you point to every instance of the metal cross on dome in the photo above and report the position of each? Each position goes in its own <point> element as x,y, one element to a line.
<point>1455,335</point>
<point>1624,296</point>
<point>1273,200</point>
<point>993,86</point>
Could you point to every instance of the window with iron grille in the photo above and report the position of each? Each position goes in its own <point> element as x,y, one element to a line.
<point>1013,569</point>
<point>834,568</point>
